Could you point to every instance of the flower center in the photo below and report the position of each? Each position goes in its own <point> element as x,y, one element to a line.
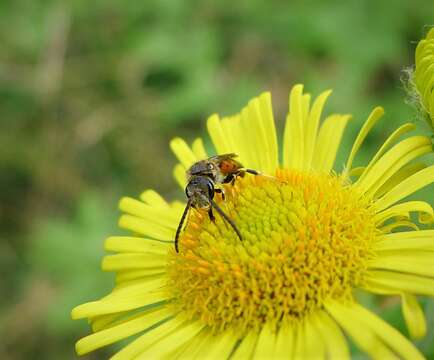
<point>306,238</point>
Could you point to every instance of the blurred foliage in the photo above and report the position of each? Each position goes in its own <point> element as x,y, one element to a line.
<point>63,263</point>
<point>91,93</point>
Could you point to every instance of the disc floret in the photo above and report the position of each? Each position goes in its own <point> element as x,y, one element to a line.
<point>306,239</point>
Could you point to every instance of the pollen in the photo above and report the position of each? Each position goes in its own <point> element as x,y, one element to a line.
<point>306,239</point>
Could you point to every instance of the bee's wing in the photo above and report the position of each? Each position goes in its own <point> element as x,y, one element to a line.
<point>222,157</point>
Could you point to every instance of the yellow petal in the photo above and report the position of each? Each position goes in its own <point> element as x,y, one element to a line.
<point>371,333</point>
<point>406,187</point>
<point>398,224</point>
<point>234,134</point>
<point>195,346</point>
<point>413,315</point>
<point>403,129</point>
<point>313,344</point>
<point>405,261</point>
<point>125,276</point>
<point>133,261</point>
<point>246,348</point>
<point>303,123</point>
<point>172,342</point>
<point>183,152</point>
<point>398,282</point>
<point>147,285</point>
<point>293,137</point>
<point>101,322</point>
<point>217,135</point>
<point>398,177</point>
<point>152,336</point>
<point>267,116</point>
<point>198,149</point>
<point>328,142</point>
<point>158,215</point>
<point>151,197</point>
<point>146,228</point>
<point>392,337</point>
<point>336,344</point>
<point>284,342</point>
<point>106,321</point>
<point>422,240</point>
<point>380,289</point>
<point>236,129</point>
<point>392,161</point>
<point>250,137</point>
<point>154,274</point>
<point>312,127</point>
<point>218,347</point>
<point>299,342</point>
<point>250,134</point>
<point>121,331</point>
<point>266,343</point>
<point>179,175</point>
<point>426,212</point>
<point>375,115</point>
<point>118,304</point>
<point>259,134</point>
<point>126,244</point>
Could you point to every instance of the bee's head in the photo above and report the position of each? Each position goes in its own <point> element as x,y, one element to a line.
<point>203,168</point>
<point>200,189</point>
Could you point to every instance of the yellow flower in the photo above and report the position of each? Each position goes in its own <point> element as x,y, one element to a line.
<point>311,237</point>
<point>423,77</point>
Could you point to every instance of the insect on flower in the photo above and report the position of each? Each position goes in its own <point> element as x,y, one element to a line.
<point>203,177</point>
<point>338,232</point>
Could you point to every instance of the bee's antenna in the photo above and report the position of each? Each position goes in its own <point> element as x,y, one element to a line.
<point>225,217</point>
<point>181,222</point>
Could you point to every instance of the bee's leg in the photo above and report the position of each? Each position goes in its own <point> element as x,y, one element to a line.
<point>254,172</point>
<point>251,171</point>
<point>229,179</point>
<point>221,192</point>
<point>211,215</point>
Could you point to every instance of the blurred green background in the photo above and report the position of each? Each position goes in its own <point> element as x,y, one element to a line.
<point>91,92</point>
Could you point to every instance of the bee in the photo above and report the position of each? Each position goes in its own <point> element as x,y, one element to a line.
<point>203,177</point>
